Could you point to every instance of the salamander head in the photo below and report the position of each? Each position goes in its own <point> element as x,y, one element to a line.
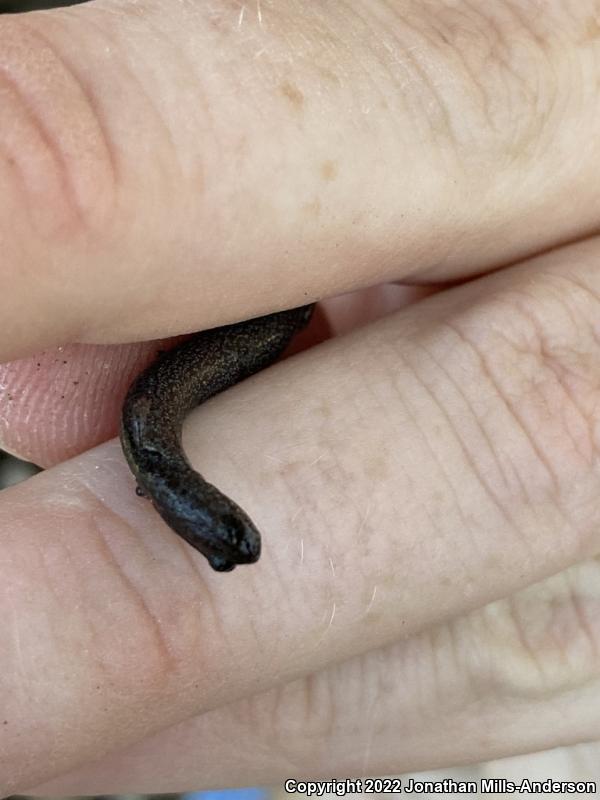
<point>236,541</point>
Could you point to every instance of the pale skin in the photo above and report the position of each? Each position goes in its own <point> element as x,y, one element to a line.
<point>427,485</point>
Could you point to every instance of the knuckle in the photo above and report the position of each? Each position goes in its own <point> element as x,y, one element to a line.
<point>533,347</point>
<point>55,156</point>
<point>543,641</point>
<point>469,66</point>
<point>312,702</point>
<point>313,709</point>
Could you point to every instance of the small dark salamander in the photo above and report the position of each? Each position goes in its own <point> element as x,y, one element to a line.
<point>153,413</point>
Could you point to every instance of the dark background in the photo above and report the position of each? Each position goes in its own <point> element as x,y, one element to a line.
<point>27,5</point>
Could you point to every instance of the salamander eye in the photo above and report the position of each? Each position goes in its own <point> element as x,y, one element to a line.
<point>235,530</point>
<point>220,564</point>
<point>241,537</point>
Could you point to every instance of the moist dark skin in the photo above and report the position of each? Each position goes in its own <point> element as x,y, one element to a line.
<point>153,412</point>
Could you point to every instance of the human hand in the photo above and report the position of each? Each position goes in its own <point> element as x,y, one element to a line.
<point>426,485</point>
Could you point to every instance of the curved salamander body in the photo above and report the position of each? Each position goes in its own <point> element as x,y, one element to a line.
<point>152,419</point>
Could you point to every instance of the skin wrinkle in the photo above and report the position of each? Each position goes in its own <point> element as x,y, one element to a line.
<point>332,700</point>
<point>423,70</point>
<point>503,55</point>
<point>530,306</point>
<point>88,18</point>
<point>551,360</point>
<point>268,77</point>
<point>496,671</point>
<point>378,34</point>
<point>375,87</point>
<point>278,644</point>
<point>167,662</point>
<point>419,678</point>
<point>571,281</point>
<point>178,54</point>
<point>441,662</point>
<point>318,721</point>
<point>476,678</point>
<point>552,639</point>
<point>440,462</point>
<point>164,664</point>
<point>501,395</point>
<point>477,473</point>
<point>424,106</point>
<point>584,619</point>
<point>402,687</point>
<point>459,661</point>
<point>11,160</point>
<point>577,441</point>
<point>309,702</point>
<point>14,624</point>
<point>300,493</point>
<point>325,47</point>
<point>270,751</point>
<point>388,352</point>
<point>47,563</point>
<point>470,89</point>
<point>558,612</point>
<point>506,674</point>
<point>339,480</point>
<point>487,369</point>
<point>440,658</point>
<point>151,103</point>
<point>51,148</point>
<point>430,684</point>
<point>208,600</point>
<point>86,91</point>
<point>70,189</point>
<point>424,507</point>
<point>493,36</point>
<point>478,420</point>
<point>580,647</point>
<point>475,83</point>
<point>552,27</point>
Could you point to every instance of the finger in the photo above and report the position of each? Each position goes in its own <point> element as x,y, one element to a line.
<point>180,166</point>
<point>68,399</point>
<point>517,676</point>
<point>421,467</point>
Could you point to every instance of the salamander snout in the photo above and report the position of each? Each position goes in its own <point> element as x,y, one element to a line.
<point>236,541</point>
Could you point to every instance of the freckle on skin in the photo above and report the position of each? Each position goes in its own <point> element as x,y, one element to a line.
<point>330,76</point>
<point>592,30</point>
<point>313,209</point>
<point>325,410</point>
<point>293,94</point>
<point>377,467</point>
<point>329,170</point>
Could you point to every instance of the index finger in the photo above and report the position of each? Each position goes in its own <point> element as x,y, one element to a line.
<point>174,167</point>
<point>421,467</point>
